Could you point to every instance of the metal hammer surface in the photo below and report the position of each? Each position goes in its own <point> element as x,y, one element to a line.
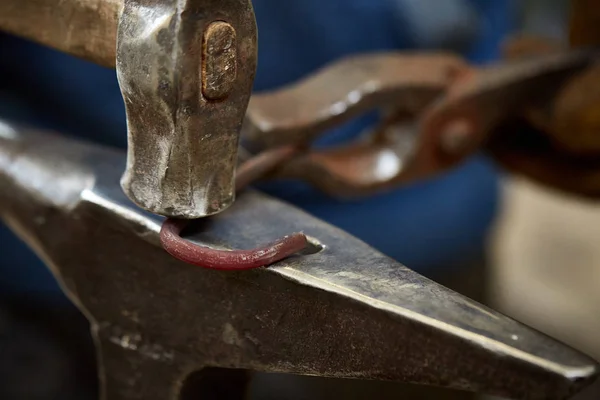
<point>345,311</point>
<point>186,71</point>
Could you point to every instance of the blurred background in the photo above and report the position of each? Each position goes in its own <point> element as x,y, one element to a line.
<point>504,241</point>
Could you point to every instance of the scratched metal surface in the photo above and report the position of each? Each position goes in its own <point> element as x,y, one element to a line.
<point>347,311</point>
<point>177,75</point>
<point>186,71</point>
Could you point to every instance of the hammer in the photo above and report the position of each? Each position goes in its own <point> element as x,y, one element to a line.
<point>186,70</point>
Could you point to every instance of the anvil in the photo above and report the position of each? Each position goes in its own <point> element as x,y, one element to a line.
<point>340,310</point>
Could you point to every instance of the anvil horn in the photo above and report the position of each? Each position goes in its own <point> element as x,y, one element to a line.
<point>344,311</point>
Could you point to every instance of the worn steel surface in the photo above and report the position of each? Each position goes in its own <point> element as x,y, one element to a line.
<point>186,70</point>
<point>346,311</point>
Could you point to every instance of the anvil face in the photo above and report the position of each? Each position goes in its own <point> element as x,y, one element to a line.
<point>343,311</point>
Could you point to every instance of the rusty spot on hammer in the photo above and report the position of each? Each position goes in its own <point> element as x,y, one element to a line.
<point>219,61</point>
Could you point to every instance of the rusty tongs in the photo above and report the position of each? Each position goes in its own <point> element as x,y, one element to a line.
<point>436,111</point>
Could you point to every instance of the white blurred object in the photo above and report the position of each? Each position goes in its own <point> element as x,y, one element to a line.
<point>545,264</point>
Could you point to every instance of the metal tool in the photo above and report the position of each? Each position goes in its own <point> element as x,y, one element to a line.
<point>342,90</point>
<point>436,111</point>
<point>343,311</point>
<point>398,85</point>
<point>186,70</point>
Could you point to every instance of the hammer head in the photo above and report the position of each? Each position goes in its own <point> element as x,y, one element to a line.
<point>186,70</point>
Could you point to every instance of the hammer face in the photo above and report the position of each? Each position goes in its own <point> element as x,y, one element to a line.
<point>186,70</point>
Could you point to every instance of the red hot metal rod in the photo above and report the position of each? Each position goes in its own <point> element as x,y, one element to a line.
<point>206,257</point>
<point>237,260</point>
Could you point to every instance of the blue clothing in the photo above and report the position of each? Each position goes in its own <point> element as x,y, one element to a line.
<point>427,225</point>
